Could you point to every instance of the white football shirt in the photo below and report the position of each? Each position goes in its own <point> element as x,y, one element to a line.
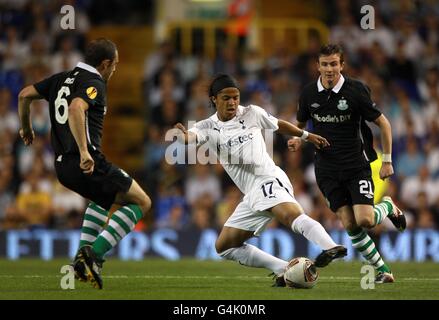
<point>239,146</point>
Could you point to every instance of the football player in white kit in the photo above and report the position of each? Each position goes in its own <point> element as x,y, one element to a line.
<point>234,135</point>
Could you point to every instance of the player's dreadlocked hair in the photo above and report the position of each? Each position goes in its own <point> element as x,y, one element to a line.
<point>330,49</point>
<point>99,50</point>
<point>220,82</point>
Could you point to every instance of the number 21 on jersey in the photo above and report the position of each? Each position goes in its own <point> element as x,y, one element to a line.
<point>366,188</point>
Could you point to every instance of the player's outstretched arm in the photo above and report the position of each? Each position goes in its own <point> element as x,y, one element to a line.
<point>25,97</point>
<point>288,128</point>
<point>77,110</point>
<point>185,136</point>
<point>386,142</point>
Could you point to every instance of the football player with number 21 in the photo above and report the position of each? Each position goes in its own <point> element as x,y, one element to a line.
<point>338,108</point>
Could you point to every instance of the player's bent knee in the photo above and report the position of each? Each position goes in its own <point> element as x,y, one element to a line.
<point>350,226</point>
<point>290,219</point>
<point>366,222</point>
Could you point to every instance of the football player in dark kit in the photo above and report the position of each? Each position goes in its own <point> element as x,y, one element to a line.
<point>77,104</point>
<point>338,107</point>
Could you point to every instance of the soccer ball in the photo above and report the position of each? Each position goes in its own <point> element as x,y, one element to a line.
<point>301,273</point>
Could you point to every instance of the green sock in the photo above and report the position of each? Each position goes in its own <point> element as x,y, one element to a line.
<point>121,223</point>
<point>94,220</point>
<point>365,245</point>
<point>382,210</point>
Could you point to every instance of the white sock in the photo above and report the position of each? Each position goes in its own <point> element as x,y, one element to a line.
<point>251,256</point>
<point>313,231</point>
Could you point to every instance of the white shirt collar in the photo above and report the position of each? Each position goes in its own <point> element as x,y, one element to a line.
<point>214,117</point>
<point>88,67</point>
<point>336,88</point>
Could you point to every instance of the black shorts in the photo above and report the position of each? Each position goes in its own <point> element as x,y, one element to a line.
<point>101,187</point>
<point>346,187</point>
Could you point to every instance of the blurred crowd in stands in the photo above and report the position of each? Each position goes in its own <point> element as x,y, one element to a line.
<point>399,61</point>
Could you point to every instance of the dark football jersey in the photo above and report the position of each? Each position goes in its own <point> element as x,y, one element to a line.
<point>340,118</point>
<point>59,90</point>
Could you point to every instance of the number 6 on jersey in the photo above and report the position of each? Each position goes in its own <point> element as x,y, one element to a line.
<point>62,102</point>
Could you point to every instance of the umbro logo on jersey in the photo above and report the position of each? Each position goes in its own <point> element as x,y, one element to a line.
<point>315,105</point>
<point>242,123</point>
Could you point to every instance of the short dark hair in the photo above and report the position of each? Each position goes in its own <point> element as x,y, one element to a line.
<point>330,49</point>
<point>99,50</point>
<point>221,81</point>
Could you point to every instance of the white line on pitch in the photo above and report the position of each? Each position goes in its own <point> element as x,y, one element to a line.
<point>331,278</point>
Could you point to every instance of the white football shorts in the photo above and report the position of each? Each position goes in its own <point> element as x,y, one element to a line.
<point>251,213</point>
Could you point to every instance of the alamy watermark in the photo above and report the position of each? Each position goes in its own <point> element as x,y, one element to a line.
<point>67,282</point>
<point>368,20</point>
<point>368,280</point>
<point>68,20</point>
<point>239,149</point>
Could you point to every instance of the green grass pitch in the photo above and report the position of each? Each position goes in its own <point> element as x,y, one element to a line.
<point>209,280</point>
